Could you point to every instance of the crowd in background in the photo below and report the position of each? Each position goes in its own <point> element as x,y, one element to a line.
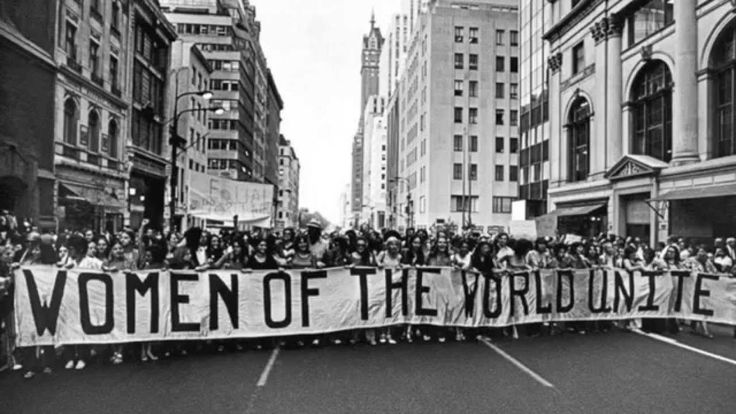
<point>196,249</point>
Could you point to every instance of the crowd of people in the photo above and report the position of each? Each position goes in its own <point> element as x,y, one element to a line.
<point>196,249</point>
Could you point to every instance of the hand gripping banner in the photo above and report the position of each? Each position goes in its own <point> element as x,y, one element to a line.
<point>56,307</point>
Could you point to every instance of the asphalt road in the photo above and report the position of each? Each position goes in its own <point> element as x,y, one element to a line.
<point>617,372</point>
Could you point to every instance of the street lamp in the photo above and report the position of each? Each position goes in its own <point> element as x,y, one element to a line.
<point>176,141</point>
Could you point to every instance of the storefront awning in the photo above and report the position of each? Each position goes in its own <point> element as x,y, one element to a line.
<point>698,192</point>
<point>576,211</point>
<point>96,197</point>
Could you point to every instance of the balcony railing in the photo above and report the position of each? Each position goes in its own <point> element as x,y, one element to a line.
<point>72,63</point>
<point>98,79</point>
<point>93,159</point>
<point>70,152</point>
<point>113,164</point>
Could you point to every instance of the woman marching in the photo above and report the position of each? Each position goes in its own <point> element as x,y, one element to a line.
<point>389,258</point>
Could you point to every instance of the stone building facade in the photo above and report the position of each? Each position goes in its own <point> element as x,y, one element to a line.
<point>642,138</point>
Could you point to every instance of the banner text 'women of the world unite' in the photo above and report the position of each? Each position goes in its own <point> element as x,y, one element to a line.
<point>55,307</point>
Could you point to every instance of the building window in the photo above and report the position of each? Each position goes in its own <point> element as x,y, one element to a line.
<point>513,173</point>
<point>514,64</point>
<point>502,205</point>
<point>500,145</point>
<point>473,62</point>
<point>114,72</point>
<point>458,115</point>
<point>723,65</point>
<point>499,173</point>
<point>70,40</point>
<point>459,59</point>
<point>649,18</point>
<point>499,90</point>
<point>94,58</point>
<point>71,121</point>
<point>461,203</point>
<point>457,171</point>
<point>514,38</point>
<point>473,36</point>
<point>112,132</point>
<point>457,143</point>
<point>578,57</point>
<point>579,140</point>
<point>473,89</point>
<point>652,111</point>
<point>93,121</point>
<point>473,172</point>
<point>500,64</point>
<point>499,37</point>
<point>115,15</point>
<point>514,90</point>
<point>499,116</point>
<point>473,115</point>
<point>473,143</point>
<point>459,34</point>
<point>458,88</point>
<point>513,145</point>
<point>514,117</point>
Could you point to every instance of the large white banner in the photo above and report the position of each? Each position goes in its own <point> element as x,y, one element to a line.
<point>219,198</point>
<point>54,306</point>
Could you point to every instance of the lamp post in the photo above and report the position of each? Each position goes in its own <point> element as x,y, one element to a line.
<point>175,141</point>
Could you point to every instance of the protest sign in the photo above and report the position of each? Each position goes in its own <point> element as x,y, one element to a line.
<point>55,307</point>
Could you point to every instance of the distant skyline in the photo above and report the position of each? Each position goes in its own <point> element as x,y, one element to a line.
<point>314,55</point>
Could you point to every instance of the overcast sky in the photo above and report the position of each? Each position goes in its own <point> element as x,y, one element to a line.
<point>313,50</point>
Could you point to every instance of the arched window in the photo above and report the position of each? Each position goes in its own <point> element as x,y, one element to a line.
<point>651,97</point>
<point>723,65</point>
<point>112,132</point>
<point>71,121</point>
<point>579,140</point>
<point>94,131</point>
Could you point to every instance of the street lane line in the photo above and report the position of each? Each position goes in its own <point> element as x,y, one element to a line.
<point>267,370</point>
<point>518,364</point>
<point>678,344</point>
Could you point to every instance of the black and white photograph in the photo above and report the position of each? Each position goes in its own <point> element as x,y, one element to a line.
<point>367,206</point>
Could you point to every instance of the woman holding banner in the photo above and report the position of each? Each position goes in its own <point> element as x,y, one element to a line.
<point>390,258</point>
<point>78,259</point>
<point>439,257</point>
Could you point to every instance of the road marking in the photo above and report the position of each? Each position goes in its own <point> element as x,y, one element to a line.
<point>267,370</point>
<point>518,364</point>
<point>678,344</point>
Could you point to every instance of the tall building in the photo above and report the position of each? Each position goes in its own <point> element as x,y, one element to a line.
<point>534,19</point>
<point>92,115</point>
<point>148,151</point>
<point>287,207</point>
<point>459,117</point>
<point>273,132</point>
<point>27,95</point>
<point>374,163</point>
<point>190,77</point>
<point>220,30</point>
<point>369,83</point>
<point>641,122</point>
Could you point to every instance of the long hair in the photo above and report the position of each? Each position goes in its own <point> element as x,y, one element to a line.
<point>479,259</point>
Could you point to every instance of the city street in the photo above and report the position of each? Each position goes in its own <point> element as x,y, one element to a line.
<point>607,372</point>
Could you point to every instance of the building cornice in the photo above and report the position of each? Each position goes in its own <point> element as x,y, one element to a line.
<point>75,76</point>
<point>578,13</point>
